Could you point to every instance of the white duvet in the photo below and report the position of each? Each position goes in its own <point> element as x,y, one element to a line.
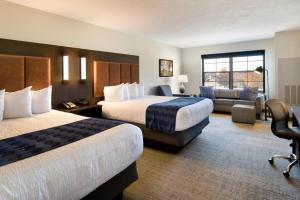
<point>134,111</point>
<point>71,171</point>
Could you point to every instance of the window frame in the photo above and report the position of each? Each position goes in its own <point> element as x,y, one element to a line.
<point>230,55</point>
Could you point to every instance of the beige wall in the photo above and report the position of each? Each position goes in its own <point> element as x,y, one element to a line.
<point>287,57</point>
<point>27,24</point>
<point>192,64</point>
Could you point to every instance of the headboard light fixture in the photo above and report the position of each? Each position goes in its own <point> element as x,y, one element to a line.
<point>83,68</point>
<point>65,68</point>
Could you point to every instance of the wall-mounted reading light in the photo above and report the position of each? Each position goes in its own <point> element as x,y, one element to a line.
<point>83,68</point>
<point>65,68</point>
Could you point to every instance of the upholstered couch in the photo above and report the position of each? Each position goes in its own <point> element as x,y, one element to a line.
<point>226,98</point>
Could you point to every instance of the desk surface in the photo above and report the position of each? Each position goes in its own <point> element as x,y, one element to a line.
<point>296,113</point>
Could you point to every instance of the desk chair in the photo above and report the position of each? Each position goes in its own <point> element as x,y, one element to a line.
<point>280,128</point>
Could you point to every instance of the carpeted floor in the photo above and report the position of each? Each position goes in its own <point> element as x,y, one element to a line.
<point>227,161</point>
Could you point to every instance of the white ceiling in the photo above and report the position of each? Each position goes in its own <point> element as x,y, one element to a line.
<point>183,23</point>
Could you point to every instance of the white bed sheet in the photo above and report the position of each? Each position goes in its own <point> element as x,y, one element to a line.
<point>71,171</point>
<point>134,111</point>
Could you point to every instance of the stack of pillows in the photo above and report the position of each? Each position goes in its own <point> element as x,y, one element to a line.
<point>24,103</point>
<point>123,92</point>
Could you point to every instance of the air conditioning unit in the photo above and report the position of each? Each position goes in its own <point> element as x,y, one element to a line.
<point>292,94</point>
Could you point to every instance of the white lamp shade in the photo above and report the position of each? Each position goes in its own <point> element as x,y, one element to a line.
<point>83,68</point>
<point>183,78</point>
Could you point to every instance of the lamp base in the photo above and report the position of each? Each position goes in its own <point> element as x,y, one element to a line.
<point>182,89</point>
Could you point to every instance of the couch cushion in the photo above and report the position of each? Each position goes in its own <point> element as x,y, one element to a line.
<point>227,93</point>
<point>245,102</point>
<point>249,93</point>
<point>229,102</point>
<point>207,91</point>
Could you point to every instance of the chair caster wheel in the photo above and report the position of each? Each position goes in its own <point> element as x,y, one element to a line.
<point>271,161</point>
<point>286,174</point>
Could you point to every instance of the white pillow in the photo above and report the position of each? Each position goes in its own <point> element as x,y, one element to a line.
<point>1,104</point>
<point>113,93</point>
<point>17,104</point>
<point>133,91</point>
<point>141,90</point>
<point>125,92</point>
<point>41,100</point>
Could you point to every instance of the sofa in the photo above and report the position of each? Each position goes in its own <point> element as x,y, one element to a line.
<point>226,98</point>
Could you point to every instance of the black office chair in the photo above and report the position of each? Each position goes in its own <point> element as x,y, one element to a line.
<point>280,128</point>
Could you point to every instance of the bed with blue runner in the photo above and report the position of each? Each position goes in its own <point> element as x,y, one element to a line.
<point>162,116</point>
<point>30,144</point>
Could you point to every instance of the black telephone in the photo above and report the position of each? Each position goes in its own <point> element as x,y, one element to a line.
<point>69,105</point>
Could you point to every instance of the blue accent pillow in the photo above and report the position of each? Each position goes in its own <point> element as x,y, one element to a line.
<point>249,93</point>
<point>207,92</point>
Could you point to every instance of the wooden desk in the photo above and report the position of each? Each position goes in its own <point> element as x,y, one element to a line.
<point>296,115</point>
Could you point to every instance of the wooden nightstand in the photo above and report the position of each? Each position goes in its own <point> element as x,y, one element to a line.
<point>87,111</point>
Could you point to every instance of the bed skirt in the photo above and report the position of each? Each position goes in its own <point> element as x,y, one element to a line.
<point>113,188</point>
<point>174,142</point>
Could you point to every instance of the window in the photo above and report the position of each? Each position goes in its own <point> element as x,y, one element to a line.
<point>233,70</point>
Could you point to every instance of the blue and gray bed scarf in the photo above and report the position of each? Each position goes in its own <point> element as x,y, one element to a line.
<point>27,145</point>
<point>162,116</point>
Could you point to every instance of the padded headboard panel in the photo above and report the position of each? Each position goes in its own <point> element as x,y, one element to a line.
<point>37,72</point>
<point>18,72</point>
<point>112,73</point>
<point>12,76</point>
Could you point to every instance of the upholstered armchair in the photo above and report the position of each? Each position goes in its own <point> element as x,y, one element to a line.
<point>165,90</point>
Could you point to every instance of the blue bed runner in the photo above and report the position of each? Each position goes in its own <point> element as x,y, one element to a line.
<point>162,116</point>
<point>24,146</point>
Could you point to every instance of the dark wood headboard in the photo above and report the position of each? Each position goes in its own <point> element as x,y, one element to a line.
<point>72,90</point>
<point>113,73</point>
<point>18,72</point>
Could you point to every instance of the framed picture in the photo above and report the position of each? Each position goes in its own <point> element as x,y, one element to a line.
<point>165,68</point>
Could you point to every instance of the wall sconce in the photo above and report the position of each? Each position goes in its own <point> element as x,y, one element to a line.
<point>83,68</point>
<point>65,68</point>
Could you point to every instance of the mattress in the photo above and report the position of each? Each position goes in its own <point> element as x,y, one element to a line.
<point>134,111</point>
<point>71,171</point>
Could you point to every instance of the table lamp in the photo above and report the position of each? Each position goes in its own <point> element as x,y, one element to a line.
<point>182,79</point>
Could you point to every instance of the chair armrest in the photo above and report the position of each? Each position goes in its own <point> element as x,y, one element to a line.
<point>260,99</point>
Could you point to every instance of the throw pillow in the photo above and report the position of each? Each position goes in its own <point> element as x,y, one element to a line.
<point>17,104</point>
<point>41,100</point>
<point>141,92</point>
<point>133,91</point>
<point>207,91</point>
<point>249,93</point>
<point>114,93</point>
<point>1,104</point>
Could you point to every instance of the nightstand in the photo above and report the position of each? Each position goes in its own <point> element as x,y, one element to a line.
<point>181,95</point>
<point>87,111</point>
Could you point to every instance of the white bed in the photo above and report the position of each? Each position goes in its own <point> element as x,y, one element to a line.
<point>134,111</point>
<point>71,171</point>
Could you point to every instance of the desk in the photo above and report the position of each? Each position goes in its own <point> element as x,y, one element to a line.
<point>296,115</point>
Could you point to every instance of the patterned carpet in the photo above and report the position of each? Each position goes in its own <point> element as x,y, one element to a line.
<point>227,161</point>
